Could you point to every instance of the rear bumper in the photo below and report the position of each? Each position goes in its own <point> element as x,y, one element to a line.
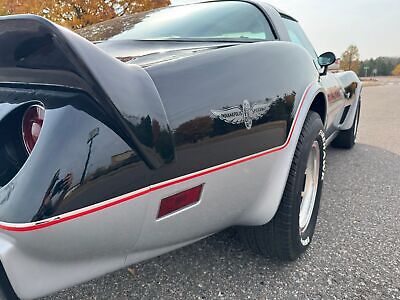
<point>40,261</point>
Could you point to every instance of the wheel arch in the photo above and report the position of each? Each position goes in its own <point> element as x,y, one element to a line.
<point>352,87</point>
<point>265,208</point>
<point>320,106</point>
<point>348,122</point>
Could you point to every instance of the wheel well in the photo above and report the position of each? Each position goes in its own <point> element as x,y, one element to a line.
<point>319,106</point>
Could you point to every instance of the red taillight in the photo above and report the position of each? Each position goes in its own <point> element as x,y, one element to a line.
<point>32,123</point>
<point>179,201</point>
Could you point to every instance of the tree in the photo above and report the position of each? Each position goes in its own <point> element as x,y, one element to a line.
<point>396,71</point>
<point>350,60</point>
<point>383,65</point>
<point>77,14</point>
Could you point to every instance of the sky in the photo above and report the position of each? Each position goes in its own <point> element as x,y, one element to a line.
<point>332,25</point>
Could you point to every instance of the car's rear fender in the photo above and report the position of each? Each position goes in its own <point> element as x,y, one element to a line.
<point>39,262</point>
<point>78,161</point>
<point>77,165</point>
<point>37,52</point>
<point>265,207</point>
<point>224,78</point>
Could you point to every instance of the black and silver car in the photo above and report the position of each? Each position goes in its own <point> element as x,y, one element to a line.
<point>164,128</point>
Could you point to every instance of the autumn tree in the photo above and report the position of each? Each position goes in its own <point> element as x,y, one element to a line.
<point>396,71</point>
<point>77,14</point>
<point>350,60</point>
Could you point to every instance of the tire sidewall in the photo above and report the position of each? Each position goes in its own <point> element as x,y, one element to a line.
<point>316,133</point>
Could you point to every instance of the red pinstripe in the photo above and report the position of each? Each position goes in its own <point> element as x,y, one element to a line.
<point>78,214</point>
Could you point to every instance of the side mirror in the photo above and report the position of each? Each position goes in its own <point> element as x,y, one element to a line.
<point>325,60</point>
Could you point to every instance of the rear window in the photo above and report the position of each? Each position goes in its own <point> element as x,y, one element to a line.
<point>225,20</point>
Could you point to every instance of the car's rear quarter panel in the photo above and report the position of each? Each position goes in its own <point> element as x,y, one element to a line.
<point>81,234</point>
<point>191,87</point>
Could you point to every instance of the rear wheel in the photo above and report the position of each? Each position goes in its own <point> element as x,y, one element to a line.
<point>347,138</point>
<point>291,230</point>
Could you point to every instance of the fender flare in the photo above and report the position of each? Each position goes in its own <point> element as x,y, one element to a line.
<point>309,96</point>
<point>348,123</point>
<point>265,208</point>
<point>352,87</point>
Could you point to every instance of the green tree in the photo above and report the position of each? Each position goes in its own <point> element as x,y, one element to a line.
<point>383,66</point>
<point>350,60</point>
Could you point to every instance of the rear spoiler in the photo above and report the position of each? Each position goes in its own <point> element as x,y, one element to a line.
<point>37,52</point>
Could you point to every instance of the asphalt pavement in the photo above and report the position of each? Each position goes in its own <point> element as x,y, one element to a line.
<point>356,249</point>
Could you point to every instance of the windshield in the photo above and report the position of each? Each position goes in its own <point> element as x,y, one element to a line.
<point>225,20</point>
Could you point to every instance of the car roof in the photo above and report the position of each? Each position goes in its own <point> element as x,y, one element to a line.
<point>261,2</point>
<point>265,3</point>
<point>257,2</point>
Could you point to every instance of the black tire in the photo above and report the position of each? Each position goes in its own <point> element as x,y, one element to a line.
<point>6,290</point>
<point>282,237</point>
<point>346,139</point>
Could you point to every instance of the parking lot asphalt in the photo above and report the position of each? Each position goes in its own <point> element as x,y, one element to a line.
<point>355,253</point>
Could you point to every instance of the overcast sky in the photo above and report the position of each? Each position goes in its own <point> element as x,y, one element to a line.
<point>373,25</point>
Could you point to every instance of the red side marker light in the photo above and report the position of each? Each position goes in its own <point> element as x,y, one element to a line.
<point>178,201</point>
